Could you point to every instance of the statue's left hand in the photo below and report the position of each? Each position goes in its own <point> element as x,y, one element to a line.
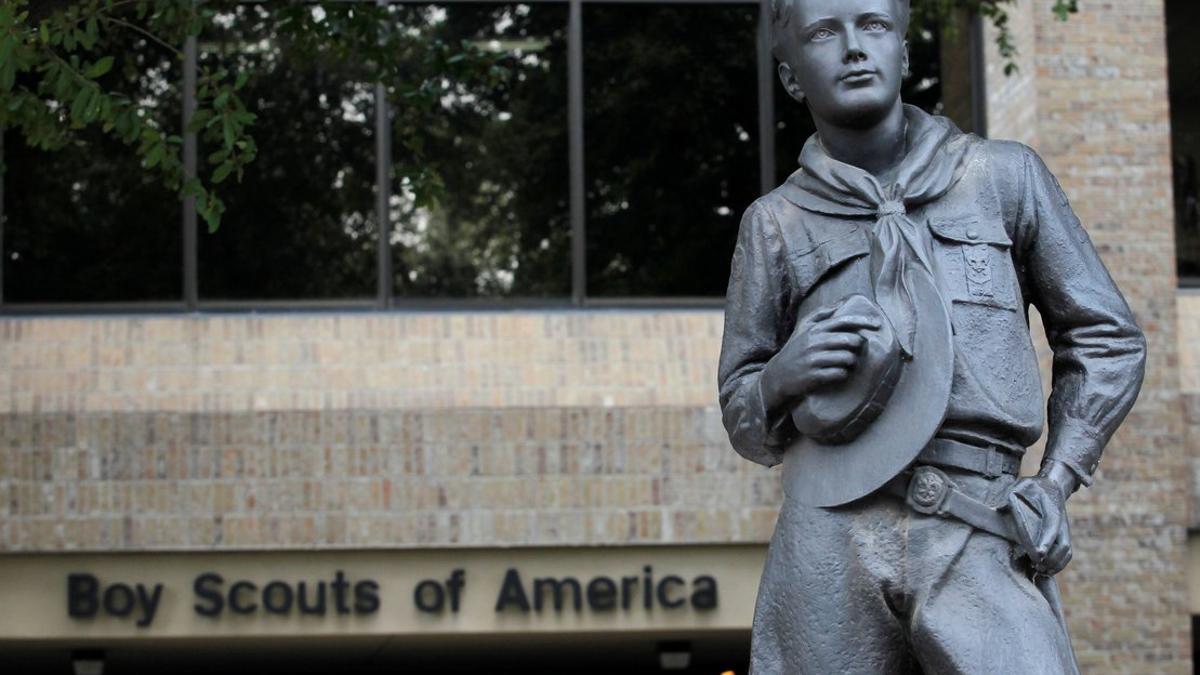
<point>1039,515</point>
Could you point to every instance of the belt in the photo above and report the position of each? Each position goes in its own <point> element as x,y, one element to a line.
<point>928,490</point>
<point>991,461</point>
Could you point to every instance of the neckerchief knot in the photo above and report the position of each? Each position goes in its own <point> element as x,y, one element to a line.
<point>934,161</point>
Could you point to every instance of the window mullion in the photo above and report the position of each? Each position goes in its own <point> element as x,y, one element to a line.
<point>575,150</point>
<point>383,192</point>
<point>766,99</point>
<point>190,272</point>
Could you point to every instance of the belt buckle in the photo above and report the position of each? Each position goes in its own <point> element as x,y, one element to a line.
<point>927,490</point>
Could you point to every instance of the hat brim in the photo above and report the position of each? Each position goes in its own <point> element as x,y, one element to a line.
<point>816,474</point>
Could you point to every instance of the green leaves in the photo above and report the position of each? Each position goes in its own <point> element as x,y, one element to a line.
<point>1063,9</point>
<point>70,69</point>
<point>63,70</point>
<point>942,11</point>
<point>100,67</point>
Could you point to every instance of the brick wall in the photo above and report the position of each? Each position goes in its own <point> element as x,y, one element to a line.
<point>1091,97</point>
<point>1012,99</point>
<point>324,430</point>
<point>1188,308</point>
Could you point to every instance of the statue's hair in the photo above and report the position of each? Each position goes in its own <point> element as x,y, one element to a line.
<point>781,14</point>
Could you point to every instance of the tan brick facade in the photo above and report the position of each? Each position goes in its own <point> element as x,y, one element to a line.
<point>463,429</point>
<point>370,430</point>
<point>359,361</point>
<point>1092,99</point>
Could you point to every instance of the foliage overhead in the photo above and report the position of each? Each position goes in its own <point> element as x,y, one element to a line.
<point>66,69</point>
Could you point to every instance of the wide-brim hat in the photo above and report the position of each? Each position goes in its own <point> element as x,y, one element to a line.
<point>836,414</point>
<point>819,473</point>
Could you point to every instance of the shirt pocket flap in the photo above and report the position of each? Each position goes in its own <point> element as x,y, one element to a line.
<point>970,230</point>
<point>827,256</point>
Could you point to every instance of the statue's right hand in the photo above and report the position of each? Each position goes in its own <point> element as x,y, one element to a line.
<point>822,351</point>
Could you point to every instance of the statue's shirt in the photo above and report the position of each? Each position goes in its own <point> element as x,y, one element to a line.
<point>1003,237</point>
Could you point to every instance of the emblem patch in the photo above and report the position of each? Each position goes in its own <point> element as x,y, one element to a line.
<point>978,259</point>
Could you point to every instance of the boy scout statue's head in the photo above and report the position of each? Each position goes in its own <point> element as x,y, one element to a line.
<point>846,58</point>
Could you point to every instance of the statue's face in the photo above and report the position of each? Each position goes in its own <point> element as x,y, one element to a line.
<point>845,57</point>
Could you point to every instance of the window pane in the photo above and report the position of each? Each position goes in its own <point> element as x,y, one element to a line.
<point>300,224</point>
<point>1183,53</point>
<point>671,137</point>
<point>922,88</point>
<point>495,139</point>
<point>87,223</point>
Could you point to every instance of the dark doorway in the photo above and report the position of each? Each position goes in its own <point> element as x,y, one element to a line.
<point>532,653</point>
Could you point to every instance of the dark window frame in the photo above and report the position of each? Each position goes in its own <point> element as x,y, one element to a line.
<point>384,297</point>
<point>1187,280</point>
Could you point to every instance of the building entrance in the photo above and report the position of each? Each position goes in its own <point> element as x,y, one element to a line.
<point>701,653</point>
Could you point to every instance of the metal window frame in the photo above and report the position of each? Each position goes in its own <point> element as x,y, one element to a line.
<point>191,270</point>
<point>2,256</point>
<point>978,66</point>
<point>385,298</point>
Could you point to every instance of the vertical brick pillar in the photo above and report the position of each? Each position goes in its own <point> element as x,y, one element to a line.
<point>1091,98</point>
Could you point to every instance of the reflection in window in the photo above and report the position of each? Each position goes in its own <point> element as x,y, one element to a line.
<point>300,224</point>
<point>671,145</point>
<point>670,149</point>
<point>496,141</point>
<point>87,223</point>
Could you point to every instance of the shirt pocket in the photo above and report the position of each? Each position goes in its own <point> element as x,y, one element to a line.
<point>975,261</point>
<point>816,263</point>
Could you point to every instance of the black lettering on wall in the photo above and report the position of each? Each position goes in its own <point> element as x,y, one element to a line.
<point>512,592</point>
<point>277,597</point>
<point>340,586</point>
<point>454,586</point>
<point>704,592</point>
<point>664,592</point>
<point>428,596</point>
<point>149,603</point>
<point>366,597</point>
<point>118,600</point>
<point>235,597</point>
<point>647,587</point>
<point>82,595</point>
<point>628,588</point>
<point>317,606</point>
<point>602,594</point>
<point>205,588</point>
<point>557,587</point>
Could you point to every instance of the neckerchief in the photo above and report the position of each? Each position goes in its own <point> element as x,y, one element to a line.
<point>933,163</point>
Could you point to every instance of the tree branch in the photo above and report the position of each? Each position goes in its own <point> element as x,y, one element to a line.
<point>144,33</point>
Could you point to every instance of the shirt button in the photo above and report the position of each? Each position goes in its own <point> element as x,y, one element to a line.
<point>972,234</point>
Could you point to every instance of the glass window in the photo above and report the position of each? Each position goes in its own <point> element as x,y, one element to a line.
<point>671,144</point>
<point>495,140</point>
<point>300,224</point>
<point>87,223</point>
<point>1183,54</point>
<point>479,198</point>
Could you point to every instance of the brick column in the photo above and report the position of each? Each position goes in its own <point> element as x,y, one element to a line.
<point>1091,98</point>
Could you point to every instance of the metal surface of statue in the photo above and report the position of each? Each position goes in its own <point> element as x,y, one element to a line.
<point>877,345</point>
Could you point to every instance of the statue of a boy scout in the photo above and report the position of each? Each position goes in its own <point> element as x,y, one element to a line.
<point>877,345</point>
